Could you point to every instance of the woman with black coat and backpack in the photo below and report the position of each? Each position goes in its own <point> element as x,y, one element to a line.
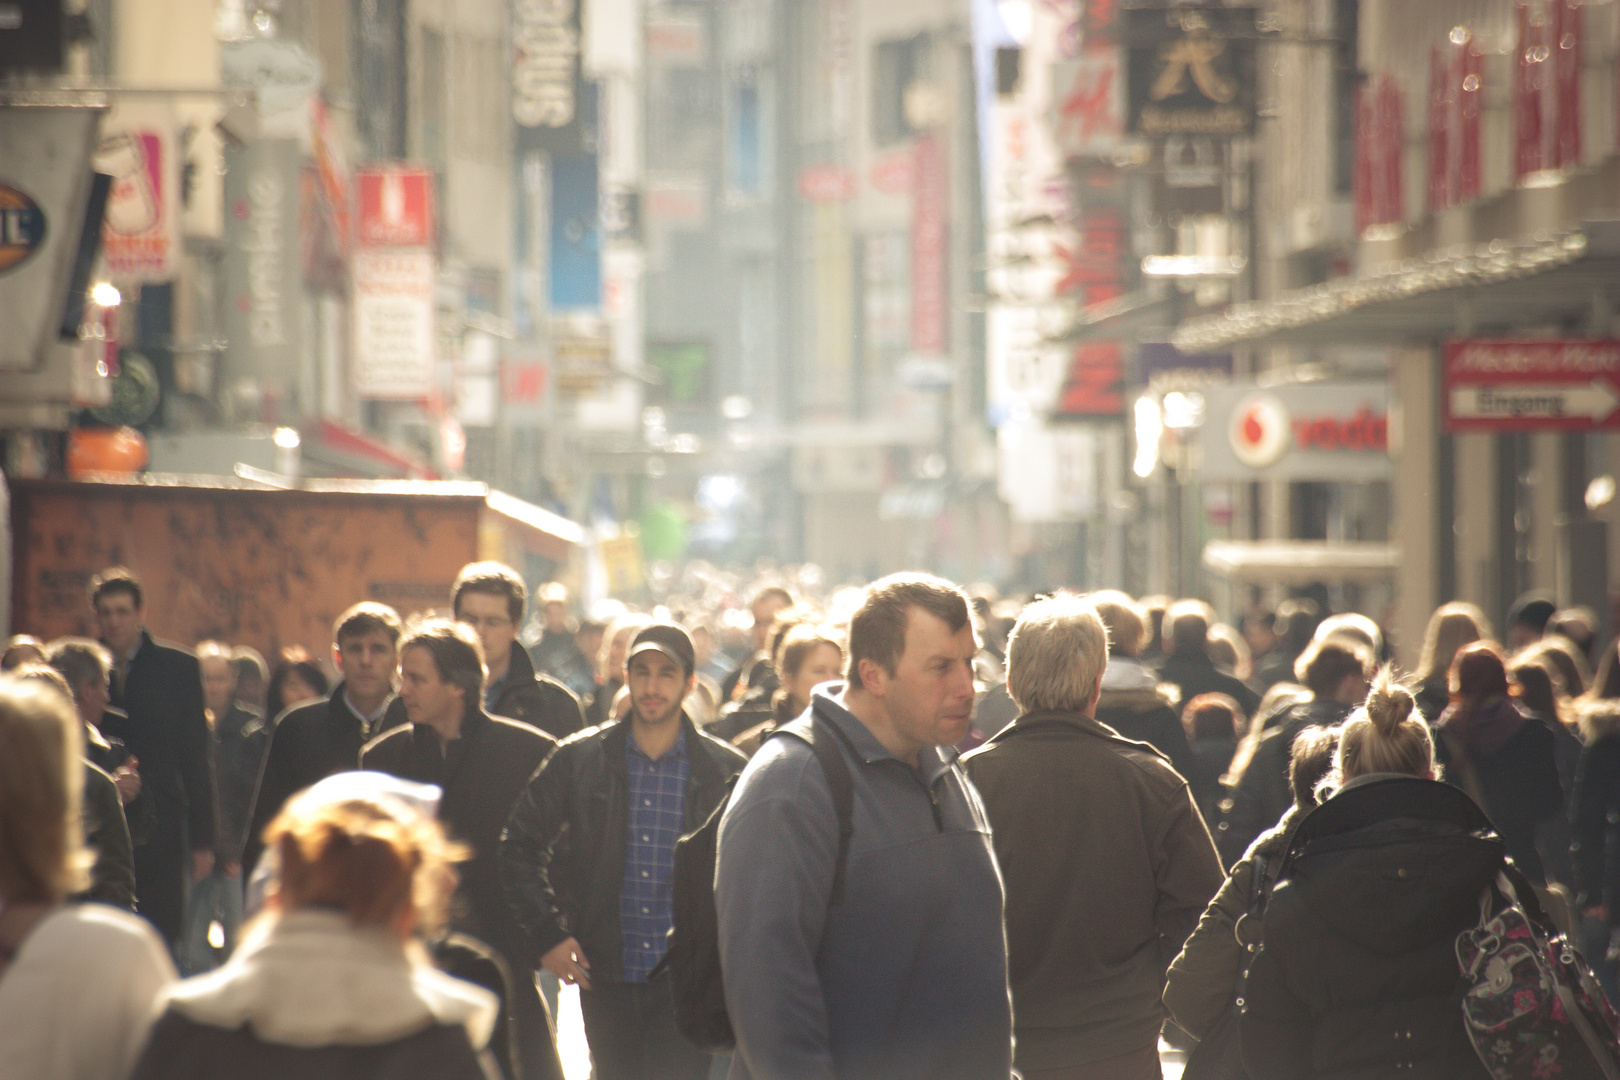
<point>1358,978</point>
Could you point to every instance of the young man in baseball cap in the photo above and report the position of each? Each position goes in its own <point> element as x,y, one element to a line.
<point>599,908</point>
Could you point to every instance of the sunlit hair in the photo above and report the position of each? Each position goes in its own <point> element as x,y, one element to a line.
<point>1227,649</point>
<point>213,650</point>
<point>367,617</point>
<point>1309,760</point>
<point>42,853</point>
<point>1126,623</point>
<point>491,579</point>
<point>1056,654</point>
<point>1564,657</point>
<point>81,661</point>
<point>1538,686</point>
<point>370,858</point>
<point>799,644</point>
<point>1186,627</point>
<point>21,648</point>
<point>1327,662</point>
<point>44,675</point>
<point>877,630</point>
<point>1213,716</point>
<point>116,579</point>
<point>1478,673</point>
<point>624,626</point>
<point>458,655</point>
<point>1451,627</point>
<point>1384,736</point>
<point>1353,625</point>
<point>787,620</point>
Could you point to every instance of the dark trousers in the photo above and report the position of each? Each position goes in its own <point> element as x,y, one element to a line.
<point>631,1031</point>
<point>1142,1065</point>
<point>160,880</point>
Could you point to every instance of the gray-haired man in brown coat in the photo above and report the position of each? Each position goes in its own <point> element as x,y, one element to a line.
<point>1106,860</point>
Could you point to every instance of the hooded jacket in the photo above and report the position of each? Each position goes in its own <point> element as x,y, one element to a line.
<point>1133,704</point>
<point>1357,977</point>
<point>309,995</point>
<point>1262,796</point>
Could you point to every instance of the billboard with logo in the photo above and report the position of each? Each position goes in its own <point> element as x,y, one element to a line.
<point>1307,431</point>
<point>140,236</point>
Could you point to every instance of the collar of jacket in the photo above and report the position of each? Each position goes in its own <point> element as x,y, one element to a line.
<point>1030,721</point>
<point>472,725</point>
<point>338,711</point>
<point>933,762</point>
<point>1377,797</point>
<point>519,669</point>
<point>309,979</point>
<point>701,765</point>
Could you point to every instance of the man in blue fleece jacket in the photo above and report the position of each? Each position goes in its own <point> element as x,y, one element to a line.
<point>904,974</point>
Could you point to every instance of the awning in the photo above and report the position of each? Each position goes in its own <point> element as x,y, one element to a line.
<point>1130,317</point>
<point>354,453</point>
<point>1300,562</point>
<point>1498,286</point>
<point>537,528</point>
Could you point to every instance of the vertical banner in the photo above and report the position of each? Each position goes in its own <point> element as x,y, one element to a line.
<point>396,207</point>
<point>1566,148</point>
<point>140,236</point>
<point>262,268</point>
<point>1470,95</point>
<point>929,267</point>
<point>393,323</point>
<point>546,76</point>
<point>1528,137</point>
<point>1439,163</point>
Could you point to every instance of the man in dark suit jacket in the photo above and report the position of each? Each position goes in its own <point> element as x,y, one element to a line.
<point>159,688</point>
<point>313,741</point>
<point>489,597</point>
<point>481,763</point>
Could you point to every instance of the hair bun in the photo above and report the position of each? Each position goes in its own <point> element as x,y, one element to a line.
<point>1388,702</point>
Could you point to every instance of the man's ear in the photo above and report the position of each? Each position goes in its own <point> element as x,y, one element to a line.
<point>874,680</point>
<point>337,657</point>
<point>1096,695</point>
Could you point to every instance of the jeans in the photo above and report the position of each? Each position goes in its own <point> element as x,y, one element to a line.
<point>631,1031</point>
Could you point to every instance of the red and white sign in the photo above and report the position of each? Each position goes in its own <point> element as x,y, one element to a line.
<point>892,173</point>
<point>1305,431</point>
<point>396,208</point>
<point>393,323</point>
<point>140,235</point>
<point>1567,385</point>
<point>928,255</point>
<point>826,183</point>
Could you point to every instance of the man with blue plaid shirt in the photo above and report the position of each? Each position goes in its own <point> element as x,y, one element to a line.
<point>587,859</point>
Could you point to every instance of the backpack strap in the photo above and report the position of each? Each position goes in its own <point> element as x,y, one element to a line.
<point>823,738</point>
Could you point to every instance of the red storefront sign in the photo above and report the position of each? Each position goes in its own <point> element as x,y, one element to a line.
<point>826,183</point>
<point>1470,93</point>
<point>1566,148</point>
<point>928,255</point>
<point>396,207</point>
<point>1529,142</point>
<point>1378,189</point>
<point>1440,114</point>
<point>1560,385</point>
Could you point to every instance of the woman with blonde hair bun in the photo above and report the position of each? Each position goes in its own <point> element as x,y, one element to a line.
<point>330,982</point>
<point>1357,975</point>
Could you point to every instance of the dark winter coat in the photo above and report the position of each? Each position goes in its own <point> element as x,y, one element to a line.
<point>106,834</point>
<point>240,738</point>
<point>1196,673</point>
<point>1596,814</point>
<point>1518,779</point>
<point>1357,977</point>
<point>537,700</point>
<point>109,755</point>
<point>559,655</point>
<point>567,890</point>
<point>1262,796</point>
<point>1107,867</point>
<point>308,743</point>
<point>482,776</point>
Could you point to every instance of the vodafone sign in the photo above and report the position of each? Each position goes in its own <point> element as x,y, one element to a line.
<point>1313,431</point>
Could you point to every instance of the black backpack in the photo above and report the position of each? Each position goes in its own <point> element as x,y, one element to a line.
<point>693,959</point>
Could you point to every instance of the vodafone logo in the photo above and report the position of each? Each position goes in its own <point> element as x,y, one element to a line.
<point>1260,432</point>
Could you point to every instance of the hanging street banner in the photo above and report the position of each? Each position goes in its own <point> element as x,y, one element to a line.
<point>1557,385</point>
<point>1191,71</point>
<point>393,323</point>
<point>140,236</point>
